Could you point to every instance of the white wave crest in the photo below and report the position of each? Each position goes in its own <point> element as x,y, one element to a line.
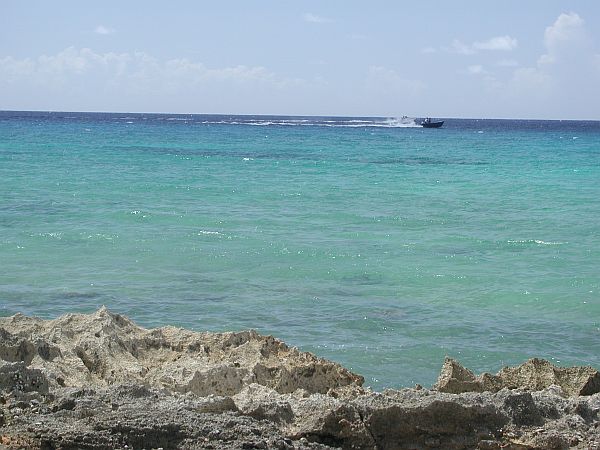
<point>535,241</point>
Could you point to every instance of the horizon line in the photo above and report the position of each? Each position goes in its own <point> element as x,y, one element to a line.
<point>283,115</point>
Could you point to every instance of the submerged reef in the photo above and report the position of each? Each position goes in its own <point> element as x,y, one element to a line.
<point>99,381</point>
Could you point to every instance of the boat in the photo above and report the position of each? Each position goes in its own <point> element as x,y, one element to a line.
<point>428,123</point>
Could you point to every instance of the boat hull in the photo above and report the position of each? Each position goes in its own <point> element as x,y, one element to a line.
<point>432,124</point>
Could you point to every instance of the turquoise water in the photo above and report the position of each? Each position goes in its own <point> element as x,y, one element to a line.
<point>379,245</point>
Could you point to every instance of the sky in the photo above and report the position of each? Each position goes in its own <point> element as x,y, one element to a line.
<point>472,59</point>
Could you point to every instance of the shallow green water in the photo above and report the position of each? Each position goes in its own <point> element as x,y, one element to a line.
<point>382,247</point>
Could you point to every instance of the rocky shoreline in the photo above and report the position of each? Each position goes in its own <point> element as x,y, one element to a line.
<point>99,381</point>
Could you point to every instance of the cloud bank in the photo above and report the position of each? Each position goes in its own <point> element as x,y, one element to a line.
<point>127,81</point>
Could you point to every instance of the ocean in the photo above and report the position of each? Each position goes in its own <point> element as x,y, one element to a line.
<point>369,241</point>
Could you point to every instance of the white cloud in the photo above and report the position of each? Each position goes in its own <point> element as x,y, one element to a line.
<point>313,18</point>
<point>476,69</point>
<point>567,27</point>
<point>503,43</point>
<point>498,43</point>
<point>460,47</point>
<point>564,36</point>
<point>428,50</point>
<point>101,29</point>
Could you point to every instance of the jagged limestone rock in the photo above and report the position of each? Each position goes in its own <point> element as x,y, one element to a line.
<point>106,348</point>
<point>537,374</point>
<point>533,375</point>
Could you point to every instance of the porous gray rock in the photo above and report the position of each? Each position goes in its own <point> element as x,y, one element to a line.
<point>426,419</point>
<point>99,381</point>
<point>18,377</point>
<point>264,403</point>
<point>324,419</point>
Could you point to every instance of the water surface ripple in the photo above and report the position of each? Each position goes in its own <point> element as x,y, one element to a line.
<point>381,246</point>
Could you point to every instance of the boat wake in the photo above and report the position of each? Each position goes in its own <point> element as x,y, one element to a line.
<point>335,122</point>
<point>403,122</point>
<point>274,121</point>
